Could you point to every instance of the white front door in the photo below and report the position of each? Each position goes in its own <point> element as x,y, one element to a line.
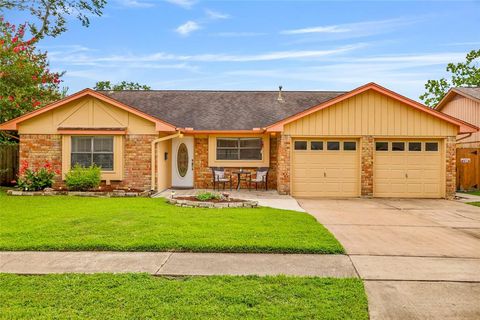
<point>182,175</point>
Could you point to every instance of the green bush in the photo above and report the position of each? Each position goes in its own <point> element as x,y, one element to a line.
<point>204,196</point>
<point>81,179</point>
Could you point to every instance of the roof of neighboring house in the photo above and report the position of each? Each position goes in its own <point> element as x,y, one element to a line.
<point>221,110</point>
<point>468,92</point>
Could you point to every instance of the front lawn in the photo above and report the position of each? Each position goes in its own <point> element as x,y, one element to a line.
<point>144,224</point>
<point>477,204</point>
<point>140,296</point>
<point>475,193</point>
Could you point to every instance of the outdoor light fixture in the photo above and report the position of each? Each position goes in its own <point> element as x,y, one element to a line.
<point>172,194</point>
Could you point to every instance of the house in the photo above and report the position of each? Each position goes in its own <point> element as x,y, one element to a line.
<point>464,103</point>
<point>366,142</point>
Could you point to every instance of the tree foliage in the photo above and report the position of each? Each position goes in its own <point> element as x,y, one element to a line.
<point>50,16</point>
<point>463,74</point>
<point>124,85</point>
<point>26,83</point>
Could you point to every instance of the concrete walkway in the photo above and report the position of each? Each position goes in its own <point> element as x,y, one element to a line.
<point>168,263</point>
<point>268,198</point>
<point>465,197</point>
<point>419,259</point>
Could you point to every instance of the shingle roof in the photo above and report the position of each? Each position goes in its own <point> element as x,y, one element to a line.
<point>470,91</point>
<point>221,110</point>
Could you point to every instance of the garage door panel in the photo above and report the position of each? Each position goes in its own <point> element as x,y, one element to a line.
<point>415,174</point>
<point>325,173</point>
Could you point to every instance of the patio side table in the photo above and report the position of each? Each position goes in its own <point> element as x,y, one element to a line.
<point>241,173</point>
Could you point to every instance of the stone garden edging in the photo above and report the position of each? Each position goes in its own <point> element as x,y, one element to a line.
<point>205,204</point>
<point>98,194</point>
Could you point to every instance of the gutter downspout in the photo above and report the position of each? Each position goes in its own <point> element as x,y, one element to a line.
<point>153,157</point>
<point>463,138</point>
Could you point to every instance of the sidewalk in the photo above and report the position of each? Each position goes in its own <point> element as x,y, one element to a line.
<point>174,264</point>
<point>465,197</point>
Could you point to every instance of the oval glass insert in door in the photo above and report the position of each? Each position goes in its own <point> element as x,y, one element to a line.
<point>182,160</point>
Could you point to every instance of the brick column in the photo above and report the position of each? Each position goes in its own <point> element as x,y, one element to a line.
<point>366,181</point>
<point>201,172</point>
<point>283,164</point>
<point>450,166</point>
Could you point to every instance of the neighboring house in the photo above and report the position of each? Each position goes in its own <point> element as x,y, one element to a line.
<point>464,103</point>
<point>366,142</point>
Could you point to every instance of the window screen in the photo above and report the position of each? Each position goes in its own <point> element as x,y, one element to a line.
<point>239,148</point>
<point>88,151</point>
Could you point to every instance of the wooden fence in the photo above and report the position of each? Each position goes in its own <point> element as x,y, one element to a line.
<point>468,169</point>
<point>8,163</point>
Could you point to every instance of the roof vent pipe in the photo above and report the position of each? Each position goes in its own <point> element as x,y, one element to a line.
<point>280,97</point>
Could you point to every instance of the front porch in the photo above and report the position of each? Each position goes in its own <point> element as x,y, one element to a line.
<point>270,198</point>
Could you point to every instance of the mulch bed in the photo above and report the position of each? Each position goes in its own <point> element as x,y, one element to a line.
<point>193,198</point>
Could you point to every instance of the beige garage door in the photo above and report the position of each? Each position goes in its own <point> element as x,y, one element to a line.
<point>408,169</point>
<point>325,168</point>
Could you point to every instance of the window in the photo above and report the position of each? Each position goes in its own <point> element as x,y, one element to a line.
<point>316,145</point>
<point>87,151</point>
<point>431,146</point>
<point>414,146</point>
<point>300,145</point>
<point>349,146</point>
<point>239,148</point>
<point>381,146</point>
<point>398,146</point>
<point>333,145</point>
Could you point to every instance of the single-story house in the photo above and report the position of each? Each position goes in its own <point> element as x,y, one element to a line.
<point>464,103</point>
<point>366,142</point>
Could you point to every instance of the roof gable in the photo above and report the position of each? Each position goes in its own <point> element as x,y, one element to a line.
<point>472,93</point>
<point>464,127</point>
<point>160,125</point>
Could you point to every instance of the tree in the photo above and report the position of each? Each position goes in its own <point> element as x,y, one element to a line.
<point>463,74</point>
<point>51,15</point>
<point>26,83</point>
<point>124,85</point>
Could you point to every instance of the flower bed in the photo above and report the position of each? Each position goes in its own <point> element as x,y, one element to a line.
<point>192,202</point>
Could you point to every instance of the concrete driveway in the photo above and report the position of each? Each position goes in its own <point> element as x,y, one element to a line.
<point>420,259</point>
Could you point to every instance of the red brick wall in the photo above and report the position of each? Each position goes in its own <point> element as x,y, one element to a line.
<point>203,173</point>
<point>137,155</point>
<point>366,164</point>
<point>38,148</point>
<point>451,167</point>
<point>283,164</point>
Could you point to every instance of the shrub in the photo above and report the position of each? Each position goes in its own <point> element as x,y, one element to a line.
<point>81,179</point>
<point>36,179</point>
<point>204,196</point>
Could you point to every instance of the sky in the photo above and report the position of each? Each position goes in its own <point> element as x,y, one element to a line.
<point>259,45</point>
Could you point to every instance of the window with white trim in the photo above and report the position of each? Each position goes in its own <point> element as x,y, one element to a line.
<point>93,150</point>
<point>239,148</point>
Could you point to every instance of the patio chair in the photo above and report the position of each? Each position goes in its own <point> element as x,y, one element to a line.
<point>261,176</point>
<point>219,176</point>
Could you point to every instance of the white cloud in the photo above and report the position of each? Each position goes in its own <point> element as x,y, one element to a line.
<point>239,34</point>
<point>325,29</point>
<point>187,28</point>
<point>183,3</point>
<point>136,3</point>
<point>356,29</point>
<point>215,15</point>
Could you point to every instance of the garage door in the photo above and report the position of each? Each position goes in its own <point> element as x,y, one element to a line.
<point>325,168</point>
<point>409,169</point>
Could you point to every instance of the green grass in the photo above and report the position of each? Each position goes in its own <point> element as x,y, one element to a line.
<point>475,193</point>
<point>477,204</point>
<point>140,296</point>
<point>144,224</point>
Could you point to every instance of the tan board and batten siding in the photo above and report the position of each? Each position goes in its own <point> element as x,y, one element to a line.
<point>371,114</point>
